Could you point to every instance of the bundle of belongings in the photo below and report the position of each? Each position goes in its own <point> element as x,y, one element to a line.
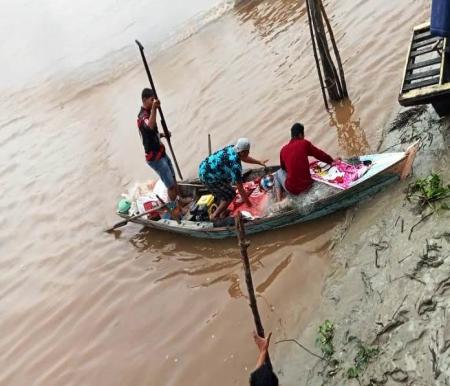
<point>149,197</point>
<point>202,209</point>
<point>341,175</point>
<point>259,191</point>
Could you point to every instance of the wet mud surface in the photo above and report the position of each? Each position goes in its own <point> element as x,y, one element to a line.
<point>388,287</point>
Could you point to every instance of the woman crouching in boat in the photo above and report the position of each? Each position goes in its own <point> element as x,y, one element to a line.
<point>223,169</point>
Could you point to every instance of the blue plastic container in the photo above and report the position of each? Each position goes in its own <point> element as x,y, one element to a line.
<point>440,18</point>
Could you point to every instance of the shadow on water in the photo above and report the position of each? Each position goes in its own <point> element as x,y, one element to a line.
<point>209,262</point>
<point>351,137</point>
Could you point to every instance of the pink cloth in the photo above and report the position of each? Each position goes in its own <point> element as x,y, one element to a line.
<point>339,175</point>
<point>258,197</point>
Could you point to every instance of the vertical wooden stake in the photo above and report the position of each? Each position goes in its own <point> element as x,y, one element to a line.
<point>329,71</point>
<point>313,41</point>
<point>335,49</point>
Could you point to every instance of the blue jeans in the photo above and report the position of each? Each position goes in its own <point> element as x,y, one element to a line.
<point>163,167</point>
<point>280,180</point>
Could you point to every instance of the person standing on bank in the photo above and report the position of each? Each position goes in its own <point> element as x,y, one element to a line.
<point>223,169</point>
<point>155,152</point>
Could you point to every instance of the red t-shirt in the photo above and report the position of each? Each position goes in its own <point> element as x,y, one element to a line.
<point>294,160</point>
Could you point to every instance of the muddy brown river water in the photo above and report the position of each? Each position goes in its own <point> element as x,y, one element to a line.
<point>81,307</point>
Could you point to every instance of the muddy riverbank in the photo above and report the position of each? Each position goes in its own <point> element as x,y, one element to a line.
<point>386,293</point>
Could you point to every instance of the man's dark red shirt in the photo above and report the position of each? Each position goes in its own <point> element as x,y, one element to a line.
<point>294,160</point>
<point>153,147</point>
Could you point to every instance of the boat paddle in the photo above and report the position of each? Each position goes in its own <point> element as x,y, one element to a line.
<point>125,222</point>
<point>163,121</point>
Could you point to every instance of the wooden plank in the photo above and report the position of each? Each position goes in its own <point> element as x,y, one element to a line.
<point>425,95</point>
<point>422,36</point>
<point>424,83</point>
<point>423,74</point>
<point>424,63</point>
<point>422,27</point>
<point>423,51</point>
<point>425,43</point>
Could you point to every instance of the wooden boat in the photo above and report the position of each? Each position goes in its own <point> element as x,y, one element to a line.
<point>385,169</point>
<point>426,77</point>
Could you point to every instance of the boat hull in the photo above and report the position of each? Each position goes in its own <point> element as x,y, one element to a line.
<point>341,200</point>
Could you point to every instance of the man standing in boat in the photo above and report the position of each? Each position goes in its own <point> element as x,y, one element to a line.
<point>223,169</point>
<point>294,176</point>
<point>155,153</point>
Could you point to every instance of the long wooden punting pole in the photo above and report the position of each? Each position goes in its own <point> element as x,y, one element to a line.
<point>316,58</point>
<point>243,245</point>
<point>161,115</point>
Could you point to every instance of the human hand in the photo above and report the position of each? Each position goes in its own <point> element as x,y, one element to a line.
<point>263,163</point>
<point>262,343</point>
<point>156,103</point>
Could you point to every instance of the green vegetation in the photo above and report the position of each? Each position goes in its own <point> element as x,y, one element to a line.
<point>426,191</point>
<point>325,338</point>
<point>362,359</point>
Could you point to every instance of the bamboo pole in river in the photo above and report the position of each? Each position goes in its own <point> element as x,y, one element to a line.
<point>335,49</point>
<point>316,59</point>
<point>332,80</point>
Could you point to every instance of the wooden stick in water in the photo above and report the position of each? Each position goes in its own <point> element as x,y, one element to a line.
<point>316,59</point>
<point>336,51</point>
<point>243,245</point>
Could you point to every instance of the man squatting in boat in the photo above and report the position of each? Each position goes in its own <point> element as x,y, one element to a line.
<point>223,169</point>
<point>294,176</point>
